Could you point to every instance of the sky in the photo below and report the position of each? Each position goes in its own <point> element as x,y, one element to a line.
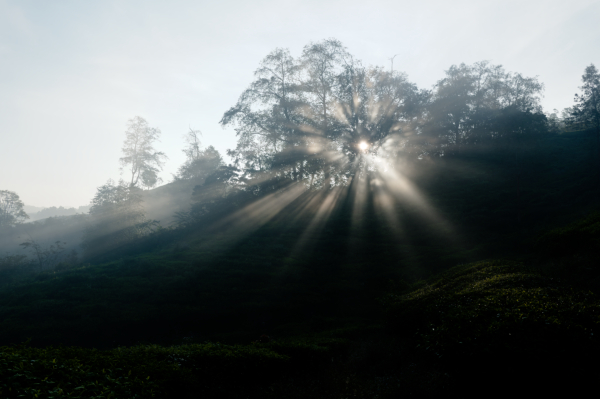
<point>72,73</point>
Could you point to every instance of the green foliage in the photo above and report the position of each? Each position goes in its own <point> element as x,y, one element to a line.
<point>160,297</point>
<point>200,164</point>
<point>45,256</point>
<point>116,218</point>
<point>232,286</point>
<point>496,309</point>
<point>212,369</point>
<point>13,267</point>
<point>308,353</point>
<point>11,209</point>
<point>134,372</point>
<point>583,234</point>
<point>586,111</point>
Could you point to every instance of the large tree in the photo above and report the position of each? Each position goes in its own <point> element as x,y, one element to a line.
<point>139,156</point>
<point>303,120</point>
<point>11,209</point>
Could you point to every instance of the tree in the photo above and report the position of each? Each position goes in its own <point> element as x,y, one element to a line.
<point>521,131</point>
<point>216,194</point>
<point>304,120</point>
<point>268,113</point>
<point>586,111</point>
<point>469,100</point>
<point>323,62</point>
<point>192,152</point>
<point>116,218</point>
<point>149,179</point>
<point>555,122</point>
<point>315,120</point>
<point>199,163</point>
<point>453,105</point>
<point>140,157</point>
<point>373,105</point>
<point>45,256</point>
<point>11,209</point>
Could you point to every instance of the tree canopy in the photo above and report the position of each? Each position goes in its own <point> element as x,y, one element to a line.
<point>586,111</point>
<point>199,162</point>
<point>11,209</point>
<point>587,104</point>
<point>308,119</point>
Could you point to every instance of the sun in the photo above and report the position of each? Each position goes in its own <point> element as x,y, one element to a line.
<point>363,145</point>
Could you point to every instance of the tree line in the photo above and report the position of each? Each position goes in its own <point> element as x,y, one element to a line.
<point>320,120</point>
<point>310,118</point>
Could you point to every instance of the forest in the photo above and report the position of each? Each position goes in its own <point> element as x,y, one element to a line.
<point>365,238</point>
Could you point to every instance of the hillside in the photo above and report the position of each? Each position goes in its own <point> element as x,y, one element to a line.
<point>494,323</point>
<point>162,202</point>
<point>278,278</point>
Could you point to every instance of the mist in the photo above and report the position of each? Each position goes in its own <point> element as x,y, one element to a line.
<point>367,193</point>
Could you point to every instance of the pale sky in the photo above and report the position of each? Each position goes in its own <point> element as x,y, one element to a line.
<point>73,72</point>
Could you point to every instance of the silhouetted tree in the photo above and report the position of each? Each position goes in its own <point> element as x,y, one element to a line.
<point>116,217</point>
<point>268,113</point>
<point>467,105</point>
<point>149,179</point>
<point>521,132</point>
<point>322,63</point>
<point>303,120</point>
<point>555,122</point>
<point>199,163</point>
<point>586,111</point>
<point>11,209</point>
<point>47,256</point>
<point>139,153</point>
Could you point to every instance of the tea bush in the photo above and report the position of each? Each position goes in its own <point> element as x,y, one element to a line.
<point>135,372</point>
<point>582,235</point>
<point>490,311</point>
